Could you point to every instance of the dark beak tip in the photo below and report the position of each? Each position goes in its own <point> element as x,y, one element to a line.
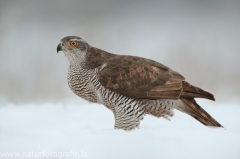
<point>59,48</point>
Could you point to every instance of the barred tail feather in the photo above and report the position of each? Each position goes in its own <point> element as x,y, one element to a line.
<point>192,108</point>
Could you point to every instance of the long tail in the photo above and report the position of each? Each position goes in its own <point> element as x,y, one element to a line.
<point>192,108</point>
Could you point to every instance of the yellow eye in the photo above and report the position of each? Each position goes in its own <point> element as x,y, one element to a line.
<point>73,43</point>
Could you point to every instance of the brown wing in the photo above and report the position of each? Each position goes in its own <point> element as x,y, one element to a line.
<point>140,78</point>
<point>190,91</point>
<point>146,79</point>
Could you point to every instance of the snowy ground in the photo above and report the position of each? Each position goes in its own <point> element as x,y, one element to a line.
<point>87,129</point>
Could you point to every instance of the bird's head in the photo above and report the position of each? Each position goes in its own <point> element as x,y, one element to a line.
<point>73,47</point>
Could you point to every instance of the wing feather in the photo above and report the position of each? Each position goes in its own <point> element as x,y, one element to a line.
<point>141,78</point>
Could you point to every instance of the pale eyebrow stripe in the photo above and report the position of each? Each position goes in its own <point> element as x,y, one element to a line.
<point>75,40</point>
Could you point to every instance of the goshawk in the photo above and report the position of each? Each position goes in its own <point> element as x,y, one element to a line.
<point>130,86</point>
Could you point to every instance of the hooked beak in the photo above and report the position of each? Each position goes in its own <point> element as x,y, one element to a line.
<point>59,47</point>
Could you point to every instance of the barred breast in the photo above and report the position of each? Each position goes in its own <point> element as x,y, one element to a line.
<point>127,111</point>
<point>80,82</point>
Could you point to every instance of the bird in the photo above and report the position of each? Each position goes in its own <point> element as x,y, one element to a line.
<point>130,86</point>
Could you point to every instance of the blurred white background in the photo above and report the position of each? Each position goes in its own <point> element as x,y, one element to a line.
<point>199,39</point>
<point>38,112</point>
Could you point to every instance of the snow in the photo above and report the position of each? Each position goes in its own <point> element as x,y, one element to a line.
<point>88,129</point>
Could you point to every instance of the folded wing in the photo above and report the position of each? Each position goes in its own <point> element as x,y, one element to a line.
<point>142,78</point>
